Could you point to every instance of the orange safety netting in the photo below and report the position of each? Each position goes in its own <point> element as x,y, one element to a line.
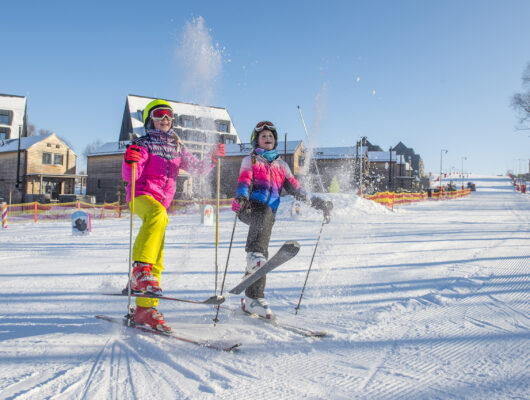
<point>36,211</point>
<point>391,199</point>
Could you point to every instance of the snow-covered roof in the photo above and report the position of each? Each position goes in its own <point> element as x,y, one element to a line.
<point>109,148</point>
<point>137,104</point>
<point>9,145</point>
<point>343,152</point>
<point>245,149</point>
<point>381,156</point>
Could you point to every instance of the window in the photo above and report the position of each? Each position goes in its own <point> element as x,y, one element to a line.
<point>223,126</point>
<point>47,158</point>
<point>5,117</point>
<point>5,133</point>
<point>57,159</point>
<point>301,161</point>
<point>188,123</point>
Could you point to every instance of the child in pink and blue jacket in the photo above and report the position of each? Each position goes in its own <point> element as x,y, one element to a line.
<point>157,157</point>
<point>262,176</point>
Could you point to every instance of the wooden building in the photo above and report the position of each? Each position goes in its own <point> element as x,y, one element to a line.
<point>36,168</point>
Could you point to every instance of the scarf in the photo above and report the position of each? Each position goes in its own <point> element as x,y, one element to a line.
<point>163,144</point>
<point>269,155</point>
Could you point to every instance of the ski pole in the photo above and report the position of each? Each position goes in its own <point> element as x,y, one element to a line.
<point>131,227</point>
<point>310,264</point>
<point>313,159</point>
<point>215,320</point>
<point>217,222</point>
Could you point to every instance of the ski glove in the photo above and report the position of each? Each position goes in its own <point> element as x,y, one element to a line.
<point>132,154</point>
<point>239,204</point>
<point>321,204</point>
<point>217,152</point>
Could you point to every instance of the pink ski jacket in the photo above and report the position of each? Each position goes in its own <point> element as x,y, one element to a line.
<point>262,180</point>
<point>158,168</point>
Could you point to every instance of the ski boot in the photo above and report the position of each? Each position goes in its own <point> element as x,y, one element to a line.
<point>257,306</point>
<point>143,279</point>
<point>150,316</point>
<point>255,261</point>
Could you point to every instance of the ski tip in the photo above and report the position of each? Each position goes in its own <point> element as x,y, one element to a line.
<point>216,300</point>
<point>292,243</point>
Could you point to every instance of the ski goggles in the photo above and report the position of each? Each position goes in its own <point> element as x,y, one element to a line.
<point>159,113</point>
<point>265,125</point>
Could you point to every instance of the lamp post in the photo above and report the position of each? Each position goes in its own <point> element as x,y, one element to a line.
<point>463,158</point>
<point>441,153</point>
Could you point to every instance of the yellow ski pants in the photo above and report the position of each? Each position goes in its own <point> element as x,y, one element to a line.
<point>149,244</point>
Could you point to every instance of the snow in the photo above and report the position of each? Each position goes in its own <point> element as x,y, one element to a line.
<point>429,301</point>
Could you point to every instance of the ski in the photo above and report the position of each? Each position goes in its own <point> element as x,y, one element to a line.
<point>278,324</point>
<point>215,300</point>
<point>211,344</point>
<point>288,250</point>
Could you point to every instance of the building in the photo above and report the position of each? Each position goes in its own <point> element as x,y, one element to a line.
<point>36,168</point>
<point>13,117</point>
<point>199,127</point>
<point>414,160</point>
<point>343,163</point>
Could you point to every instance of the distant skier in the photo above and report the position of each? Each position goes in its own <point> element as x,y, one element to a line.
<point>262,176</point>
<point>158,155</point>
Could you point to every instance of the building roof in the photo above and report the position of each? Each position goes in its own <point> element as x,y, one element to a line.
<point>382,156</point>
<point>244,149</point>
<point>110,148</point>
<point>345,152</point>
<point>9,145</point>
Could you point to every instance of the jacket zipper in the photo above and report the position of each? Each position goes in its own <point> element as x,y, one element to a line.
<point>165,183</point>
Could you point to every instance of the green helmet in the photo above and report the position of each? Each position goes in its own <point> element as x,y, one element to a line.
<point>148,108</point>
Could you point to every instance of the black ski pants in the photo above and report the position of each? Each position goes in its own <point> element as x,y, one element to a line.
<point>260,219</point>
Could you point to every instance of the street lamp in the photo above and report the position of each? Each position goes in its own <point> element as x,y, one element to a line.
<point>463,158</point>
<point>441,153</point>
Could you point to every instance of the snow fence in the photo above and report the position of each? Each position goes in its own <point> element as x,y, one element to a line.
<point>36,211</point>
<point>391,199</point>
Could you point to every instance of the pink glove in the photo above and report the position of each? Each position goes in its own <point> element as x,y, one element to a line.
<point>238,204</point>
<point>132,154</point>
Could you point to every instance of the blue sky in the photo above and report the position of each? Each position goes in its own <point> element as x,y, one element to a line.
<point>432,74</point>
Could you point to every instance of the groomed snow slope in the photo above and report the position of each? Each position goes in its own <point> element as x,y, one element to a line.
<point>430,301</point>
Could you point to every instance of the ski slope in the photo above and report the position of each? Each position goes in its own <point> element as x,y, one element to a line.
<point>430,301</point>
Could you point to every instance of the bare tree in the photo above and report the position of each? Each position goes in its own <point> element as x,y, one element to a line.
<point>91,147</point>
<point>521,101</point>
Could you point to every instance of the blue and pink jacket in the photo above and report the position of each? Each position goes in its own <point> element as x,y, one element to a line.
<point>158,169</point>
<point>262,181</point>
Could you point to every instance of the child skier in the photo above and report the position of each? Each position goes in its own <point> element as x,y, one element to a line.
<point>158,157</point>
<point>262,176</point>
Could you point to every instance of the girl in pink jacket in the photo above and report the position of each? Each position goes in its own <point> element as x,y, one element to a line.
<point>158,157</point>
<point>262,177</point>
